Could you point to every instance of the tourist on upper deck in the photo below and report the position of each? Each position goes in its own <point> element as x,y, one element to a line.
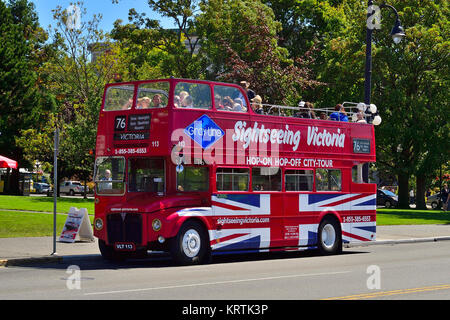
<point>238,105</point>
<point>301,106</point>
<point>176,101</point>
<point>323,116</point>
<point>183,95</point>
<point>156,101</point>
<point>308,111</point>
<point>128,104</point>
<point>256,105</point>
<point>339,114</point>
<point>360,117</point>
<point>218,102</point>
<point>250,93</point>
<point>228,103</point>
<point>143,103</point>
<point>187,102</point>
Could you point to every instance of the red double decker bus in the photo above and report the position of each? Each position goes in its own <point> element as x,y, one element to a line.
<point>189,167</point>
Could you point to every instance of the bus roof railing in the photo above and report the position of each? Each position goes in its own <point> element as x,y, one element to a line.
<point>352,110</point>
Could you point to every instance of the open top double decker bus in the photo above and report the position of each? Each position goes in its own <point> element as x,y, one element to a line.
<point>188,167</point>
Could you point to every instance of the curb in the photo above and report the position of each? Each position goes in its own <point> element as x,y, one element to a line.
<point>43,260</point>
<point>28,261</point>
<point>398,241</point>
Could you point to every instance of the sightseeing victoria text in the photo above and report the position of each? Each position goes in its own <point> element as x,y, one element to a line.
<point>264,144</point>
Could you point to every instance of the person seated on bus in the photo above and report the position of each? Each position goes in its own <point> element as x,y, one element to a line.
<point>360,117</point>
<point>218,102</point>
<point>183,95</point>
<point>128,104</point>
<point>176,101</point>
<point>323,116</point>
<point>238,105</point>
<point>257,105</point>
<point>106,177</point>
<point>187,102</point>
<point>228,103</point>
<point>308,112</point>
<point>339,113</point>
<point>156,101</point>
<point>143,103</point>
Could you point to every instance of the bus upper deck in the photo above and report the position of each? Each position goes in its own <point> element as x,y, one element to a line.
<point>147,118</point>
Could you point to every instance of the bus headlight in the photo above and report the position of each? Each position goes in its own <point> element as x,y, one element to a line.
<point>98,224</point>
<point>156,225</point>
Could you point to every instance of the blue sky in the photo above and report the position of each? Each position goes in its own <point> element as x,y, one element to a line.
<point>110,12</point>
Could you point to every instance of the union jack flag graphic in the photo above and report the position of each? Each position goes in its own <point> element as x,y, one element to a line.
<point>256,222</point>
<point>356,210</point>
<point>244,219</point>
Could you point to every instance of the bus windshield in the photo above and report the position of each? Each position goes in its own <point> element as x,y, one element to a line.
<point>110,175</point>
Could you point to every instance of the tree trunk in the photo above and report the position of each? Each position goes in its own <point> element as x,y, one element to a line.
<point>403,192</point>
<point>420,192</point>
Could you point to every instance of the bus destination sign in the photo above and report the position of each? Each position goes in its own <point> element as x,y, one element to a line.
<point>361,145</point>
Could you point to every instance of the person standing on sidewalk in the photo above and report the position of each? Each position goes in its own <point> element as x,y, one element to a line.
<point>447,203</point>
<point>444,197</point>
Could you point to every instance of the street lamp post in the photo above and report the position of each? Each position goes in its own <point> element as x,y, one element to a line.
<point>397,34</point>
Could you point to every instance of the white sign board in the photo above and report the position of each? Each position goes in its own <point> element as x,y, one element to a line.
<point>77,226</point>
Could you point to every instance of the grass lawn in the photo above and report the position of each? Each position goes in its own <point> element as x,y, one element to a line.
<point>45,203</point>
<point>25,224</point>
<point>386,217</point>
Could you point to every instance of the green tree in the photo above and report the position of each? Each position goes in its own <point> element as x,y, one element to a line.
<point>83,60</point>
<point>252,53</point>
<point>156,52</point>
<point>410,86</point>
<point>22,99</point>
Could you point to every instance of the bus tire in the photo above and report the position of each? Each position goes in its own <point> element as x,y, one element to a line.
<point>330,236</point>
<point>191,245</point>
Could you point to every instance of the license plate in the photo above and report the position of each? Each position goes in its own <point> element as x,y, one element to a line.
<point>124,246</point>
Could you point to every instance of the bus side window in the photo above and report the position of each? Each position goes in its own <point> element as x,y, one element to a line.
<point>153,95</point>
<point>229,99</point>
<point>266,179</point>
<point>299,180</point>
<point>192,95</point>
<point>193,179</point>
<point>232,179</point>
<point>328,180</point>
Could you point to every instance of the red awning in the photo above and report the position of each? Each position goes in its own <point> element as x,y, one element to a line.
<point>7,163</point>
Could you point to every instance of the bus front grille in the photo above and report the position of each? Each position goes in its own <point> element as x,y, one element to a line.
<point>124,227</point>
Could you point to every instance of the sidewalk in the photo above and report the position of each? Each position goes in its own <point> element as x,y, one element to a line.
<point>15,251</point>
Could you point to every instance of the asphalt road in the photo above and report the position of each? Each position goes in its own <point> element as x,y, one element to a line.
<point>403,271</point>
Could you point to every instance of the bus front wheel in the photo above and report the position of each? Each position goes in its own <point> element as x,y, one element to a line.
<point>330,236</point>
<point>190,246</point>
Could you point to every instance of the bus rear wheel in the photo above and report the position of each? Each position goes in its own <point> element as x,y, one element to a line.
<point>190,246</point>
<point>330,236</point>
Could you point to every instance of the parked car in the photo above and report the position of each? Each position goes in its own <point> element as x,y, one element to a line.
<point>72,187</point>
<point>433,200</point>
<point>386,198</point>
<point>41,187</point>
